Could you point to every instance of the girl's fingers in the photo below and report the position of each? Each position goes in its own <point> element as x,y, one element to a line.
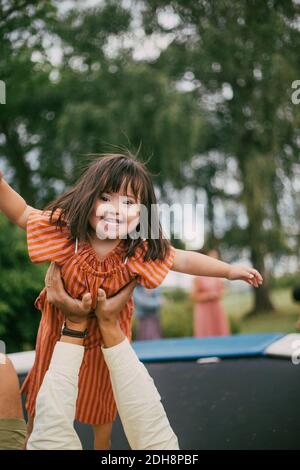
<point>253,282</point>
<point>257,275</point>
<point>251,279</point>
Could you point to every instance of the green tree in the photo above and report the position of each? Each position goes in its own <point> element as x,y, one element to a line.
<point>243,57</point>
<point>88,101</point>
<point>20,284</point>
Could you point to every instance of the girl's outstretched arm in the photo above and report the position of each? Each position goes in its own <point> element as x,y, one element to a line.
<point>190,262</point>
<point>13,205</point>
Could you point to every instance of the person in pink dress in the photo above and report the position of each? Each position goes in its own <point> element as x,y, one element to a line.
<point>209,316</point>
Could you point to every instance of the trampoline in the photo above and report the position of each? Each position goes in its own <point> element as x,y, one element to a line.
<point>245,397</point>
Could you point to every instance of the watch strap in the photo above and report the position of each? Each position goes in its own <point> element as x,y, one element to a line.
<point>73,333</point>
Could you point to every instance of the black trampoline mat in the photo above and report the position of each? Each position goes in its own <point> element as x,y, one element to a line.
<point>240,403</point>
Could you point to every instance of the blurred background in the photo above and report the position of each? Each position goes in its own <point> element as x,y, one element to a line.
<point>204,90</point>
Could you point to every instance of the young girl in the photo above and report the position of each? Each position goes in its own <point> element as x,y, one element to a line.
<point>86,232</point>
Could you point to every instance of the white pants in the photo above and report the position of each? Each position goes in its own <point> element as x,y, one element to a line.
<point>143,417</point>
<point>139,404</point>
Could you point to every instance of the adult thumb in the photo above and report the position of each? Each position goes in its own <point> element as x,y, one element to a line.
<point>87,302</point>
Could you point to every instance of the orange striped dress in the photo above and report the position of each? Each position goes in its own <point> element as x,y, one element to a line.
<point>84,272</point>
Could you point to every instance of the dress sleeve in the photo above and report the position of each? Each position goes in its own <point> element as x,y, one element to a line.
<point>151,272</point>
<point>45,241</point>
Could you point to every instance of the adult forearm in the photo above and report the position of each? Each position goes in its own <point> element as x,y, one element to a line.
<point>111,332</point>
<point>119,300</point>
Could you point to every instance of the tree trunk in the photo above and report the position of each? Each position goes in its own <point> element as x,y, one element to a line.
<point>254,172</point>
<point>262,301</point>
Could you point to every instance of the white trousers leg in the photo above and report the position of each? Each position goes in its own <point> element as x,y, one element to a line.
<point>139,404</point>
<point>53,427</point>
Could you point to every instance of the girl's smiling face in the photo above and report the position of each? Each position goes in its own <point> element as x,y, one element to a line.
<point>115,215</point>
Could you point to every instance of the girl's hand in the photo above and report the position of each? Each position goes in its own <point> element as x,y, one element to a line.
<point>244,273</point>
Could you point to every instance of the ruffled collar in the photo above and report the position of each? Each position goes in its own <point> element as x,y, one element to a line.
<point>90,262</point>
<point>118,249</point>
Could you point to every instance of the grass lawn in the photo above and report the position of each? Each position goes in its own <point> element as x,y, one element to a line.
<point>283,320</point>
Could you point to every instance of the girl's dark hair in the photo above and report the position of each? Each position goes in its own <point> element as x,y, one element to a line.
<point>110,173</point>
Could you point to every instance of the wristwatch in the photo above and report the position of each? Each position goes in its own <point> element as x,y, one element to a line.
<point>65,331</point>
